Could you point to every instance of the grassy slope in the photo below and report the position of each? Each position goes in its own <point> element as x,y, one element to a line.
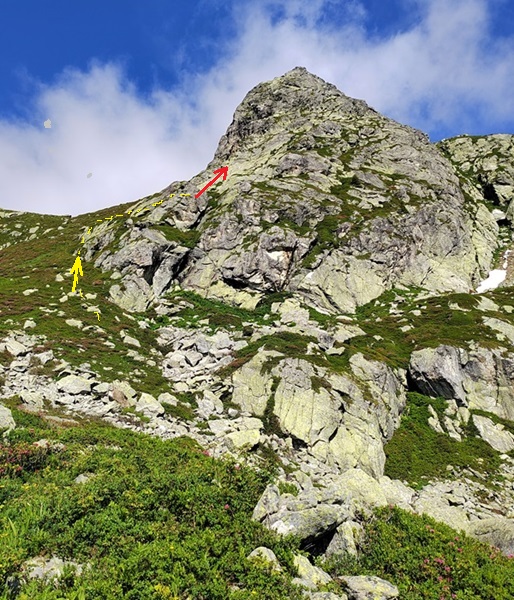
<point>118,493</point>
<point>158,520</point>
<point>33,264</point>
<point>161,520</point>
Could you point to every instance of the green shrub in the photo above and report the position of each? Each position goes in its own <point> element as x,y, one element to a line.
<point>417,453</point>
<point>157,519</point>
<point>287,488</point>
<point>180,411</point>
<point>271,423</point>
<point>426,559</point>
<point>20,458</point>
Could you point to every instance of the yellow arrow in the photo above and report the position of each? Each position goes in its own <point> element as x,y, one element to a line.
<point>171,195</point>
<point>97,314</point>
<point>156,203</point>
<point>129,211</point>
<point>109,218</point>
<point>89,230</point>
<point>75,270</point>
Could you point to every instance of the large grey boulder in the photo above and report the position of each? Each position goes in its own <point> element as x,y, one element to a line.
<point>268,503</point>
<point>494,434</point>
<point>148,254</point>
<point>480,378</point>
<point>134,295</point>
<point>6,419</point>
<point>48,568</point>
<point>437,372</point>
<point>34,399</point>
<point>346,539</point>
<point>15,348</point>
<point>308,523</point>
<point>387,388</point>
<point>338,424</point>
<point>431,502</point>
<point>148,405</point>
<point>267,556</point>
<point>355,489</point>
<point>73,384</point>
<point>309,576</point>
<point>306,414</point>
<point>358,441</point>
<point>497,531</point>
<point>317,511</point>
<point>365,587</point>
<point>123,394</point>
<point>252,386</point>
<point>240,439</point>
<point>396,492</point>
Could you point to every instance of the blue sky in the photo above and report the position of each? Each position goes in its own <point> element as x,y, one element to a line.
<point>139,93</point>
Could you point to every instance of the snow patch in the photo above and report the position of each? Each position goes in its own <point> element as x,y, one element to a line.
<point>495,277</point>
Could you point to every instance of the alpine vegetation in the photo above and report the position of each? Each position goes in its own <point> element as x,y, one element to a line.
<point>291,380</point>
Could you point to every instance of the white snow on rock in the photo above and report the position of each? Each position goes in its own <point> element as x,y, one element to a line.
<point>495,277</point>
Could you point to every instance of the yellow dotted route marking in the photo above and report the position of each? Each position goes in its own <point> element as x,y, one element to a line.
<point>129,212</point>
<point>77,265</point>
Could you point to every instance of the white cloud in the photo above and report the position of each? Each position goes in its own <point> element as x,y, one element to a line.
<point>99,126</point>
<point>445,70</point>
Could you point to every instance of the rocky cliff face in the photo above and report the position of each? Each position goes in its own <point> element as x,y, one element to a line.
<point>318,303</point>
<point>326,198</point>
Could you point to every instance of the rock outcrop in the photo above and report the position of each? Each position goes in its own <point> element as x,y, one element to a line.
<point>326,198</point>
<point>477,379</point>
<point>295,309</point>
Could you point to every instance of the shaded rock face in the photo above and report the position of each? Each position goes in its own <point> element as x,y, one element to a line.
<point>489,162</point>
<point>324,197</point>
<point>336,422</point>
<point>148,262</point>
<point>476,379</point>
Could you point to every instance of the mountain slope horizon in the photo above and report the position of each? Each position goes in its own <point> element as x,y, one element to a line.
<point>326,338</point>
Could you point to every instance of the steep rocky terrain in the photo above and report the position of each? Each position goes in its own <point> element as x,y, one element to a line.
<point>316,311</point>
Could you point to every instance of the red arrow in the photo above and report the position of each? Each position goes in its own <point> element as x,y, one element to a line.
<point>223,171</point>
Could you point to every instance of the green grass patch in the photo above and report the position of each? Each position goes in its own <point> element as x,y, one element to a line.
<point>326,237</point>
<point>417,453</point>
<point>157,519</point>
<point>180,411</point>
<point>426,559</point>
<point>437,324</point>
<point>220,314</point>
<point>287,488</point>
<point>188,238</point>
<point>34,264</point>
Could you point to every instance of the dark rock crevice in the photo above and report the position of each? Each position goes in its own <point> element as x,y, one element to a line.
<point>317,545</point>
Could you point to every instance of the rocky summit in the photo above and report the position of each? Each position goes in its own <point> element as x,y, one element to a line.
<point>296,384</point>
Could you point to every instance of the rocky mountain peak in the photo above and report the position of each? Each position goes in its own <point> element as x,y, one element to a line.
<point>325,198</point>
<point>296,100</point>
<point>314,312</point>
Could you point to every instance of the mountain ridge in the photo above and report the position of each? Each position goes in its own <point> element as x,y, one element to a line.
<point>316,311</point>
